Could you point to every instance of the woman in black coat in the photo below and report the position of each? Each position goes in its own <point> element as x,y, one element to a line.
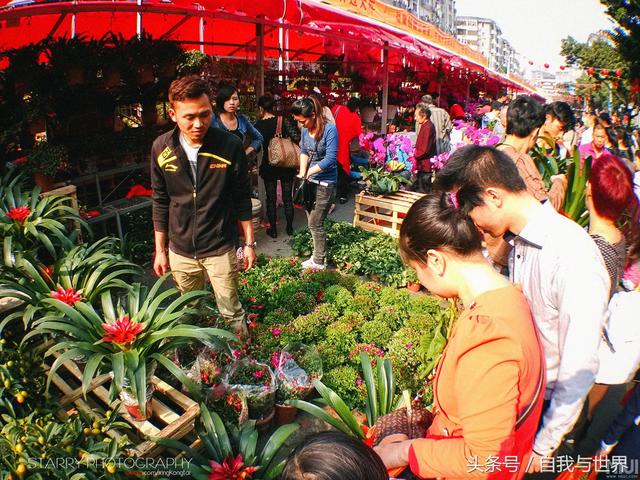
<point>270,175</point>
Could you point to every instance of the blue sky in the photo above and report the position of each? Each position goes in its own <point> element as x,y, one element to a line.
<point>536,27</point>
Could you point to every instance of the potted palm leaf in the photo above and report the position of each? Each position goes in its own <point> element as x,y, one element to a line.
<point>129,337</point>
<point>232,452</point>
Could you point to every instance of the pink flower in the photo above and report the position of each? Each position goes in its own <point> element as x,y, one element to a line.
<point>276,332</point>
<point>409,345</point>
<point>68,296</point>
<point>259,374</point>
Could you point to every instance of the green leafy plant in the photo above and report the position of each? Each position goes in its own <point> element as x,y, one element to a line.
<point>84,273</point>
<point>231,452</point>
<point>128,337</point>
<point>577,177</point>
<point>40,446</point>
<point>381,387</point>
<point>47,159</point>
<point>379,400</point>
<point>380,181</point>
<point>29,222</point>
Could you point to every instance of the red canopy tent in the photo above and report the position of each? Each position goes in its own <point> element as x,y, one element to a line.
<point>283,30</point>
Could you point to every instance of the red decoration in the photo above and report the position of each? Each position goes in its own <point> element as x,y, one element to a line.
<point>546,65</point>
<point>562,67</point>
<point>615,84</point>
<point>618,73</point>
<point>590,71</point>
<point>604,72</point>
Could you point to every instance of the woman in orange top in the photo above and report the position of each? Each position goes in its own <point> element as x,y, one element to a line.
<point>489,386</point>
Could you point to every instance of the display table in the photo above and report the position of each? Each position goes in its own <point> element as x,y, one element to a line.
<point>383,213</point>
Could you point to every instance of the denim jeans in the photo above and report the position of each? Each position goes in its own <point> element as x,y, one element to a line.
<point>315,219</point>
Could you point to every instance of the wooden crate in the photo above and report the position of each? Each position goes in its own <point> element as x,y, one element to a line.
<point>384,213</point>
<point>173,415</point>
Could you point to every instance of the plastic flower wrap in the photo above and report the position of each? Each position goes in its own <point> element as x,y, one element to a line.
<point>296,367</point>
<point>256,382</point>
<point>394,147</point>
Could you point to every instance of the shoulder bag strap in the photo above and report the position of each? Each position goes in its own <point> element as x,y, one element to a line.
<point>279,126</point>
<point>529,409</point>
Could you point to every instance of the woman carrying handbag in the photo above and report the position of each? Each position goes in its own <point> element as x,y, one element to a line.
<point>277,131</point>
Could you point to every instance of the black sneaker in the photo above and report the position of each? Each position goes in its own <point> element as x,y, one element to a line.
<point>342,200</point>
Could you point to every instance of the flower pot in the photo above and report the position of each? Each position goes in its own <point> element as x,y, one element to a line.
<point>112,78</point>
<point>130,402</point>
<point>375,278</point>
<point>144,75</point>
<point>133,407</point>
<point>368,114</point>
<point>75,76</point>
<point>45,182</point>
<point>285,414</point>
<point>37,125</point>
<point>264,423</point>
<point>413,287</point>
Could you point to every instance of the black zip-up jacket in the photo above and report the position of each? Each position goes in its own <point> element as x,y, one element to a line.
<point>200,218</point>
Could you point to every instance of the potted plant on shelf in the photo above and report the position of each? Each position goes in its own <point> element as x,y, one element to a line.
<point>129,338</point>
<point>33,224</point>
<point>74,59</point>
<point>44,161</point>
<point>296,367</point>
<point>256,382</point>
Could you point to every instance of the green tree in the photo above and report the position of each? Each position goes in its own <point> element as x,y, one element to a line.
<point>599,54</point>
<point>626,35</point>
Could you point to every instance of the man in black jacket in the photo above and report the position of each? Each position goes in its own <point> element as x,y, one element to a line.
<point>200,193</point>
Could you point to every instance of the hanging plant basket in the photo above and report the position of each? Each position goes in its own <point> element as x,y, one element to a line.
<point>144,74</point>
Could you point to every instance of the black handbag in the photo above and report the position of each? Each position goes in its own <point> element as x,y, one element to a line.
<point>305,194</point>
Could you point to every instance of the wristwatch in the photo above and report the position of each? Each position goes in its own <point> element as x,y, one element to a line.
<point>251,245</point>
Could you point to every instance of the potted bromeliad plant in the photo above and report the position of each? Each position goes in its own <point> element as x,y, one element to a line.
<point>44,161</point>
<point>256,383</point>
<point>231,452</point>
<point>129,338</point>
<point>83,274</point>
<point>296,367</point>
<point>31,223</point>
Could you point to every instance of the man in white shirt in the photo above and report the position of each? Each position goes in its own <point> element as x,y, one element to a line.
<point>561,273</point>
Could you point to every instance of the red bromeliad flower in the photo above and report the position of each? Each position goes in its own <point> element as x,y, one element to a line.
<point>19,214</point>
<point>231,469</point>
<point>68,296</point>
<point>122,332</point>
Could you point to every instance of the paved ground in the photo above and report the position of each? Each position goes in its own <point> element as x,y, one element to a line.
<point>280,246</point>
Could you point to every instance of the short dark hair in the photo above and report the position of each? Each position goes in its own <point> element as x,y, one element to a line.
<point>524,115</point>
<point>562,111</point>
<point>189,87</point>
<point>353,104</point>
<point>604,116</point>
<point>266,102</point>
<point>225,92</point>
<point>472,169</point>
<point>496,105</point>
<point>434,222</point>
<point>333,456</point>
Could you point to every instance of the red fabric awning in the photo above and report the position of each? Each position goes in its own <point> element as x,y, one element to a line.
<point>312,29</point>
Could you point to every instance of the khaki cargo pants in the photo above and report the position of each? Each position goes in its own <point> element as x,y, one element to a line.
<point>222,270</point>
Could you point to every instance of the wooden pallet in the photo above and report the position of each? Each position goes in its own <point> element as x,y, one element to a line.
<point>384,213</point>
<point>173,416</point>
